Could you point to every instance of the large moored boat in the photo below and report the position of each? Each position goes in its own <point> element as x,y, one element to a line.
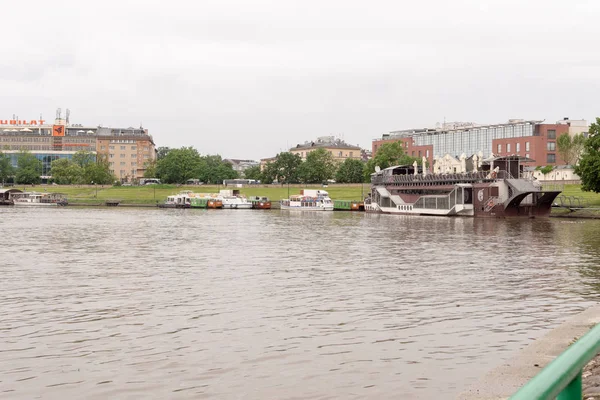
<point>494,187</point>
<point>38,199</point>
<point>308,200</point>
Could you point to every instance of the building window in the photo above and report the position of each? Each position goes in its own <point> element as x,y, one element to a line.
<point>122,155</point>
<point>112,164</point>
<point>111,155</point>
<point>413,153</point>
<point>508,147</point>
<point>340,154</point>
<point>112,147</point>
<point>133,148</point>
<point>551,146</point>
<point>499,148</point>
<point>134,155</point>
<point>351,154</point>
<point>527,155</point>
<point>102,147</point>
<point>122,163</point>
<point>122,147</point>
<point>427,153</point>
<point>518,147</point>
<point>420,153</point>
<point>551,133</point>
<point>551,158</point>
<point>526,146</point>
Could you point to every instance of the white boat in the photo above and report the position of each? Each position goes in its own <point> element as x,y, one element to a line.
<point>231,199</point>
<point>180,200</point>
<point>29,199</point>
<point>308,200</point>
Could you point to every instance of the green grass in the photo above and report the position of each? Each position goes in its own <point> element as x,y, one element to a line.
<point>150,194</point>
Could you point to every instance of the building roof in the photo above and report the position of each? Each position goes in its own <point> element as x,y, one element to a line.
<point>437,131</point>
<point>332,143</point>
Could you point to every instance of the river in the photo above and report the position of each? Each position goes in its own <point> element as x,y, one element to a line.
<point>126,303</point>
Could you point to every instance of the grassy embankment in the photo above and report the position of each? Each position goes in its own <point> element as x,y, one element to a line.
<point>158,193</point>
<point>151,194</point>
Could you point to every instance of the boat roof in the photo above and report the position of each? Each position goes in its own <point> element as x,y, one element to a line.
<point>11,191</point>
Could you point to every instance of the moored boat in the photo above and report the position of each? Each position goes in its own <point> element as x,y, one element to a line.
<point>260,203</point>
<point>180,200</point>
<point>36,199</point>
<point>231,199</point>
<point>495,187</point>
<point>308,200</point>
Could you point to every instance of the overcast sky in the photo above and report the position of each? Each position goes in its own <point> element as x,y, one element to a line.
<point>248,79</point>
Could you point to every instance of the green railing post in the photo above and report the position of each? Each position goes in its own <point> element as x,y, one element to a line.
<point>573,390</point>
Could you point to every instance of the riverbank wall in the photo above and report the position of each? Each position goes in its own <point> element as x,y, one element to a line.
<point>504,380</point>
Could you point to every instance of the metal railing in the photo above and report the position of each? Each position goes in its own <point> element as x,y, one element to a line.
<point>439,178</point>
<point>561,379</point>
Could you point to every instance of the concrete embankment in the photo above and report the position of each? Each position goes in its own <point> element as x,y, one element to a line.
<point>506,379</point>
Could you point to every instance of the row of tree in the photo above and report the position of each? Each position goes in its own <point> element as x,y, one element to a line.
<point>83,168</point>
<point>180,165</point>
<point>320,166</point>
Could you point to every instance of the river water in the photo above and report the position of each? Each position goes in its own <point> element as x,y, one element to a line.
<point>192,304</point>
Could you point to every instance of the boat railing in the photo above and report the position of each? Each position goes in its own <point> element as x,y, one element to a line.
<point>440,178</point>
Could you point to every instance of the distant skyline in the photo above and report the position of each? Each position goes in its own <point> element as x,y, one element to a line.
<point>250,79</point>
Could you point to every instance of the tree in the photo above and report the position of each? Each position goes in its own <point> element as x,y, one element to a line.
<point>98,172</point>
<point>269,173</point>
<point>212,169</point>
<point>589,164</point>
<point>388,154</point>
<point>570,148</point>
<point>179,165</point>
<point>318,167</point>
<point>350,171</point>
<point>29,168</point>
<point>6,168</point>
<point>150,169</point>
<point>83,158</point>
<point>161,153</point>
<point>65,172</point>
<point>253,173</point>
<point>287,167</point>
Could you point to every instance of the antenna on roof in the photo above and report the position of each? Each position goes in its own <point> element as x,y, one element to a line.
<point>68,113</point>
<point>58,112</point>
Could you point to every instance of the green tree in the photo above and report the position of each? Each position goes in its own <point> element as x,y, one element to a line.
<point>318,167</point>
<point>83,158</point>
<point>287,167</point>
<point>350,171</point>
<point>269,173</point>
<point>29,168</point>
<point>150,169</point>
<point>570,148</point>
<point>388,155</point>
<point>589,164</point>
<point>6,168</point>
<point>66,172</point>
<point>161,153</point>
<point>253,173</point>
<point>179,165</point>
<point>212,169</point>
<point>98,172</point>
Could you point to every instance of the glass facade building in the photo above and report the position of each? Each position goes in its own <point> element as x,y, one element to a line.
<point>468,140</point>
<point>45,157</point>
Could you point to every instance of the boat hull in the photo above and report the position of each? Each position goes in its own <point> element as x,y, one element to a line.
<point>295,208</point>
<point>242,206</point>
<point>27,204</point>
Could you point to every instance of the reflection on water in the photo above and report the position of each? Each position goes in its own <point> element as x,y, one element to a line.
<point>273,304</point>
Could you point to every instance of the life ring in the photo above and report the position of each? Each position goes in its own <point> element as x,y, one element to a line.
<point>493,174</point>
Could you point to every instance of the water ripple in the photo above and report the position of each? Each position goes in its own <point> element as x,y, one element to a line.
<point>128,303</point>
